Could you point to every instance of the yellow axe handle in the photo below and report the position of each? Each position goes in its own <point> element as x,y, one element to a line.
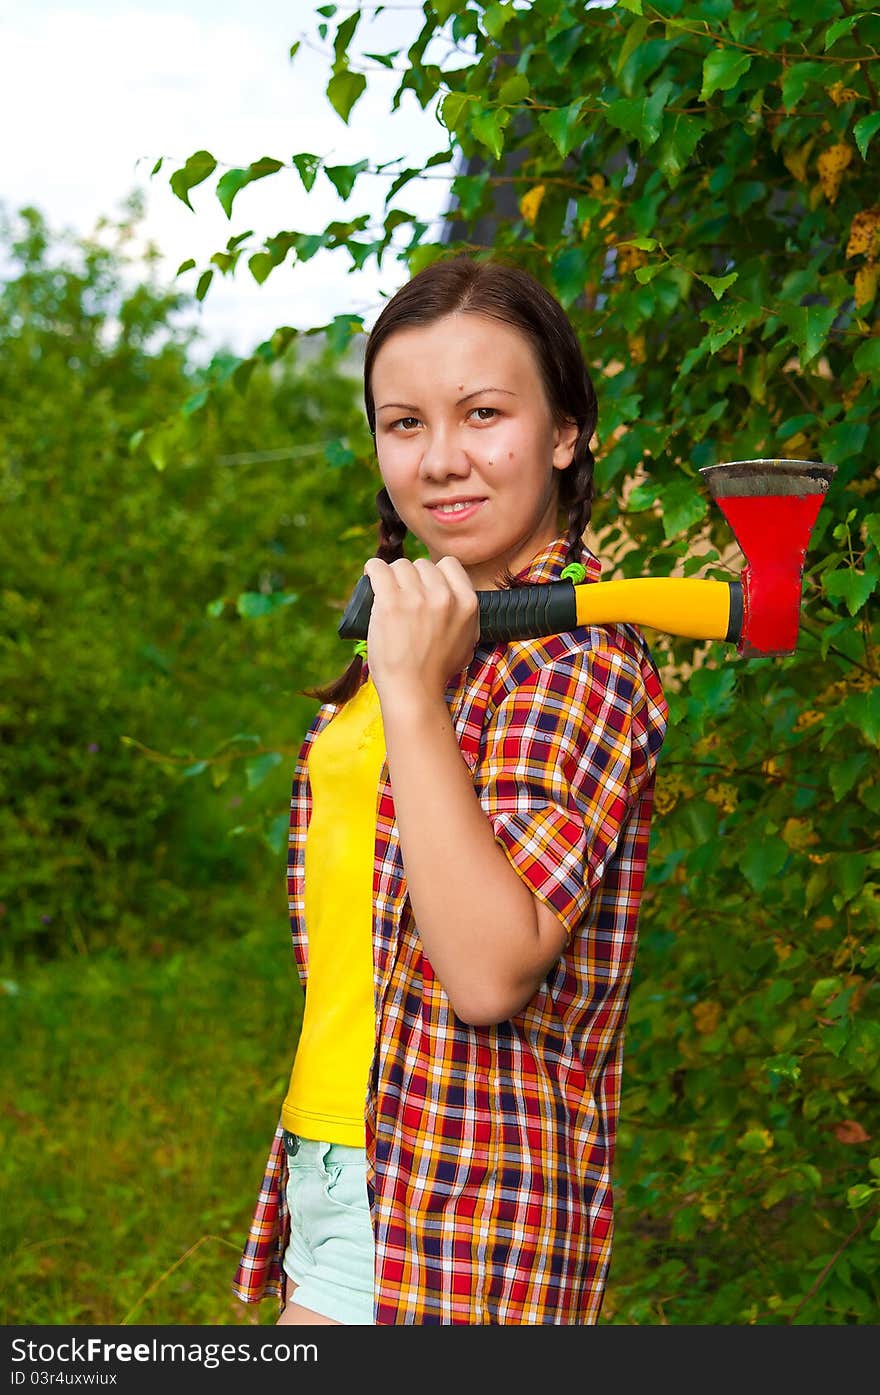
<point>678,605</point>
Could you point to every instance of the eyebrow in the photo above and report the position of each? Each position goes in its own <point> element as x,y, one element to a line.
<point>412,407</point>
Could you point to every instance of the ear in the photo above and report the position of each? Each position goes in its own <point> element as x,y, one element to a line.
<point>564,441</point>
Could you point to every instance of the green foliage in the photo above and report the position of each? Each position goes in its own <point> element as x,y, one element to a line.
<point>150,1192</point>
<point>706,210</point>
<point>166,590</point>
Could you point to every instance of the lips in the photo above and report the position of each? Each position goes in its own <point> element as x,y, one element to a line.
<point>446,515</point>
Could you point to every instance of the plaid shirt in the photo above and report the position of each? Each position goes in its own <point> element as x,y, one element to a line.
<point>490,1149</point>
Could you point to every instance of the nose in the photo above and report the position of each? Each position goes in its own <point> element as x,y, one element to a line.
<point>443,457</point>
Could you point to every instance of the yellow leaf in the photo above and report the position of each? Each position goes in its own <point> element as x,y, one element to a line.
<point>706,1017</point>
<point>628,258</point>
<point>831,164</point>
<point>840,94</point>
<point>799,834</point>
<point>807,719</point>
<point>864,233</point>
<point>531,202</point>
<point>796,161</point>
<point>866,285</point>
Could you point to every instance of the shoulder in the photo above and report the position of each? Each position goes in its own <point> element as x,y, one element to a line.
<point>589,656</point>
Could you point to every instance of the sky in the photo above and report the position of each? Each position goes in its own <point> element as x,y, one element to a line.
<point>92,93</point>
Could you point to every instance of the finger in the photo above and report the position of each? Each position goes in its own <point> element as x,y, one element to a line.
<point>458,580</point>
<point>381,578</point>
<point>430,575</point>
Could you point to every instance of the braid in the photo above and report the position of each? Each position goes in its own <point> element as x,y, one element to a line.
<point>392,529</point>
<point>576,493</point>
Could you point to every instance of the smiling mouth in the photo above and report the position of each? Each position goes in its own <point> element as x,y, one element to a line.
<point>460,507</point>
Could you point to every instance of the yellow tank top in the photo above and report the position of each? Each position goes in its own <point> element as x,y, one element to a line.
<point>328,1084</point>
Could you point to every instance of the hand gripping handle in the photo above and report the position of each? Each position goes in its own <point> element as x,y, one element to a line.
<point>525,612</point>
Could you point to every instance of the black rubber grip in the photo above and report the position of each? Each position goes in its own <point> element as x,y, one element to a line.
<point>524,612</point>
<point>735,619</point>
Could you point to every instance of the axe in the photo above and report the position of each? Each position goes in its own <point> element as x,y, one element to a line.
<point>771,506</point>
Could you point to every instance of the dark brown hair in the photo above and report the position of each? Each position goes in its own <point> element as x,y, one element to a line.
<point>489,286</point>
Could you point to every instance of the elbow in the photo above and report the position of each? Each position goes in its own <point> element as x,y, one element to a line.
<point>490,1008</point>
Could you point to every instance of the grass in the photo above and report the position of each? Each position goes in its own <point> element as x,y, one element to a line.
<point>139,1101</point>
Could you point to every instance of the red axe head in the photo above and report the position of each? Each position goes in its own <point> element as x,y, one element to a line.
<point>771,505</point>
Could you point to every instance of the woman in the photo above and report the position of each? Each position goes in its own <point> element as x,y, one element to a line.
<point>465,923</point>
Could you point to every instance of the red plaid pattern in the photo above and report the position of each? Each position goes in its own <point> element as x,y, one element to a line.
<point>490,1149</point>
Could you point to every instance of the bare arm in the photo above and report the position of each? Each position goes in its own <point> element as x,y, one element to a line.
<point>489,939</point>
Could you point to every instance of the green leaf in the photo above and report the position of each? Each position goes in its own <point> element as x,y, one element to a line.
<point>495,17</point>
<point>863,711</point>
<point>635,35</point>
<point>683,504</point>
<point>851,585</point>
<point>849,871</point>
<point>197,169</point>
<point>680,137</point>
<point>386,59</point>
<point>261,264</point>
<point>762,861</point>
<point>645,274</point>
<point>257,769</point>
<point>871,524</point>
<point>634,6</point>
<point>842,774</point>
<point>276,833</point>
<point>486,126</point>
<point>343,177</point>
<point>860,1194</point>
<point>719,284</point>
<point>344,35</point>
<point>796,79</point>
<point>341,330</point>
<point>640,118</point>
<point>864,129</point>
<point>229,184</point>
<point>453,110</point>
<point>866,358</point>
<point>185,266</point>
<point>755,1141</point>
<point>514,89</point>
<point>308,166</point>
<point>722,69</point>
<point>808,326</point>
<point>158,165</point>
<point>570,269</point>
<point>204,282</point>
<point>343,90</point>
<point>338,455</point>
<point>562,127</point>
<point>251,604</point>
<point>840,27</point>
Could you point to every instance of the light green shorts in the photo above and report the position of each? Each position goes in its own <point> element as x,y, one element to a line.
<point>330,1253</point>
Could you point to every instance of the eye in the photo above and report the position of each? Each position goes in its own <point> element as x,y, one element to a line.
<point>401,420</point>
<point>493,410</point>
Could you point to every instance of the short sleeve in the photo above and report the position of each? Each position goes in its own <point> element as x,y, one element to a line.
<point>567,753</point>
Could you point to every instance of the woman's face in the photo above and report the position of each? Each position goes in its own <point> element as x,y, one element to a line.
<point>462,415</point>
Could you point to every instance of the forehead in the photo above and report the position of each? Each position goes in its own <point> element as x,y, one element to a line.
<point>455,351</point>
